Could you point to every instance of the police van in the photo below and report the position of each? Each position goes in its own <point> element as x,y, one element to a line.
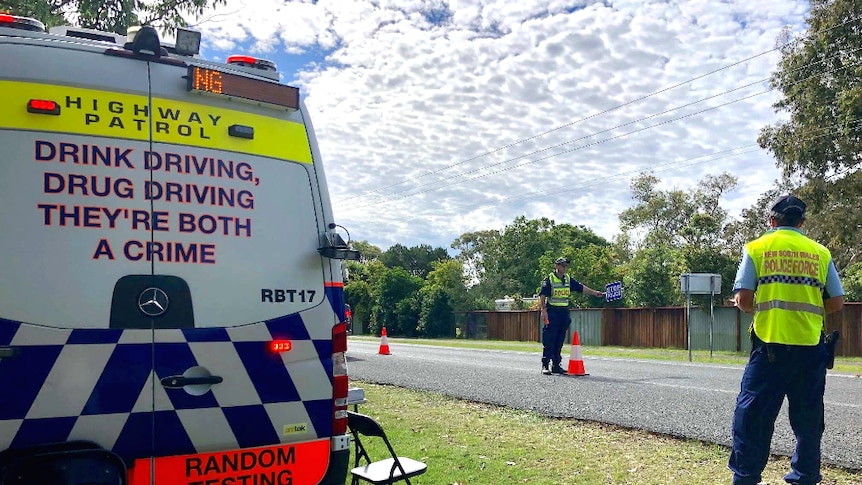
<point>171,293</point>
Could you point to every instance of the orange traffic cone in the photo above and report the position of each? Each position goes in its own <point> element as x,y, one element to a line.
<point>576,360</point>
<point>384,343</point>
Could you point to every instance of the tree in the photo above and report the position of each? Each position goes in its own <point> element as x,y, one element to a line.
<point>690,230</point>
<point>396,302</point>
<point>367,251</point>
<point>416,260</point>
<point>111,15</point>
<point>448,277</point>
<point>662,215</point>
<point>435,316</point>
<point>652,277</point>
<point>471,247</point>
<point>359,292</point>
<point>853,283</point>
<point>678,217</point>
<point>47,12</point>
<point>753,223</point>
<point>820,143</point>
<point>513,261</point>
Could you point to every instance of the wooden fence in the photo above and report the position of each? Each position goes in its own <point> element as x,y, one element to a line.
<point>513,325</point>
<point>654,327</point>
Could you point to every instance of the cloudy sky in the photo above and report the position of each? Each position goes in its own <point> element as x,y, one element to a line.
<point>437,117</point>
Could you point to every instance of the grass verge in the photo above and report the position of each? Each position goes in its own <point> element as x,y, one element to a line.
<point>466,443</point>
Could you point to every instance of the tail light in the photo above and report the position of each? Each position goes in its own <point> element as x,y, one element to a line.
<point>339,379</point>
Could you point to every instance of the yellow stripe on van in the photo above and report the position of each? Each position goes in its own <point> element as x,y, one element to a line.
<point>119,115</point>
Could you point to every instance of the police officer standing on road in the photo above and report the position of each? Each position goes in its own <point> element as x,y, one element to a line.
<point>790,283</point>
<point>554,306</point>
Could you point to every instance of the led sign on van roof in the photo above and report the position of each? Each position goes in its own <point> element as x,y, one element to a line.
<point>213,81</point>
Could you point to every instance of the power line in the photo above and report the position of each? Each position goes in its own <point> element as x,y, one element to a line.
<point>676,164</point>
<point>689,162</point>
<point>665,166</point>
<point>390,198</point>
<point>524,140</point>
<point>581,147</point>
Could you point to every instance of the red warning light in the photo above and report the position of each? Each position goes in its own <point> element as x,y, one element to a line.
<point>280,345</point>
<point>240,59</point>
<point>43,106</point>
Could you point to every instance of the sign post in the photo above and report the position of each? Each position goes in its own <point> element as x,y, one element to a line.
<point>699,284</point>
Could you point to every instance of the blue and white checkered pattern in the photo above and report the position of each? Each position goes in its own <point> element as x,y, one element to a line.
<point>102,385</point>
<point>794,280</point>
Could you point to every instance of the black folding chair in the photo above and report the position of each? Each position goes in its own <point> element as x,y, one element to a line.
<point>386,471</point>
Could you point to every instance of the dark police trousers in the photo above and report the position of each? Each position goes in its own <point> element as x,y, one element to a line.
<point>554,334</point>
<point>775,371</point>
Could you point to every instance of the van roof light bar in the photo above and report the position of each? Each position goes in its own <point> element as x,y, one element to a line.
<point>249,61</point>
<point>23,23</point>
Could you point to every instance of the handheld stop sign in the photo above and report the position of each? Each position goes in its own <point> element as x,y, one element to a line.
<point>614,291</point>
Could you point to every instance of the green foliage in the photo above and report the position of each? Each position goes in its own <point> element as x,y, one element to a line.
<point>111,15</point>
<point>448,276</point>
<point>471,247</point>
<point>833,217</point>
<point>753,223</point>
<point>481,303</point>
<point>652,277</point>
<point>360,292</point>
<point>661,214</point>
<point>47,12</point>
<point>852,281</point>
<point>367,251</point>
<point>699,260</point>
<point>397,303</point>
<point>511,260</point>
<point>406,315</point>
<point>416,260</point>
<point>684,233</point>
<point>518,303</point>
<point>514,261</point>
<point>436,318</point>
<point>818,144</point>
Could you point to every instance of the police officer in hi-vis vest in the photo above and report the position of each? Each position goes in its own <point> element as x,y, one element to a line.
<point>790,283</point>
<point>554,305</point>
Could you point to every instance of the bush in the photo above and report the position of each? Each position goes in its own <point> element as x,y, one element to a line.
<point>436,318</point>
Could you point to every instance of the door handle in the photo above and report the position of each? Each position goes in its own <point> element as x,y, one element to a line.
<point>8,352</point>
<point>178,382</point>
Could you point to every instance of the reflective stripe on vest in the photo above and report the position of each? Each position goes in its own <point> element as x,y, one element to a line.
<point>791,274</point>
<point>559,290</point>
<point>789,305</point>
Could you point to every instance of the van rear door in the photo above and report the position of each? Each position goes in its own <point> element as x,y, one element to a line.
<point>243,351</point>
<point>71,190</point>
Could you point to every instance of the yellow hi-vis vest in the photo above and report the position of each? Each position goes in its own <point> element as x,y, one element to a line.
<point>791,276</point>
<point>559,290</point>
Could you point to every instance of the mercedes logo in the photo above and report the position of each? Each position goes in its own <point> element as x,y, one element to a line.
<point>153,302</point>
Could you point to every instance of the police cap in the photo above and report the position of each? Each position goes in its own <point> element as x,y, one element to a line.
<point>788,205</point>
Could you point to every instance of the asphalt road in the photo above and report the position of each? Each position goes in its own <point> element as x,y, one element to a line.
<point>674,398</point>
